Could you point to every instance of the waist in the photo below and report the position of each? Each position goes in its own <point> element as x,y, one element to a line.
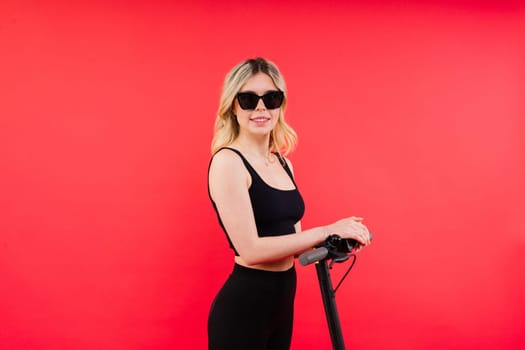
<point>282,265</point>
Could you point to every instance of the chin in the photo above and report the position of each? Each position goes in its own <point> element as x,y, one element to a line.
<point>262,131</point>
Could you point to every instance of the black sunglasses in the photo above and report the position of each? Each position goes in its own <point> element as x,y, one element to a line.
<point>248,100</point>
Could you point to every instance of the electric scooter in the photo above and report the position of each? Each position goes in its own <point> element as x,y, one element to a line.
<point>336,250</point>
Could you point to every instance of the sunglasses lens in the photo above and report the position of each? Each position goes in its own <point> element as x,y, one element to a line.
<point>247,100</point>
<point>271,100</point>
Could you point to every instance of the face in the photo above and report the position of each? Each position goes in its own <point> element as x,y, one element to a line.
<point>259,121</point>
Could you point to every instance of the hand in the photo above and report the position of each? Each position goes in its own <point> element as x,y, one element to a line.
<point>353,228</point>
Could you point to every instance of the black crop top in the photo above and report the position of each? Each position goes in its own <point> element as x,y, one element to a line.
<point>276,211</point>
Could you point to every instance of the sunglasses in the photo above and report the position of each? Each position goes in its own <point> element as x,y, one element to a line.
<point>249,100</point>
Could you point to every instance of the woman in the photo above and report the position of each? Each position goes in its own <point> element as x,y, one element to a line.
<point>253,191</point>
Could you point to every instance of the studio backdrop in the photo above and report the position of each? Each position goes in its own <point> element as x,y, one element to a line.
<point>410,114</point>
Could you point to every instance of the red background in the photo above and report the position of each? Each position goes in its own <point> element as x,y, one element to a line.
<point>411,114</point>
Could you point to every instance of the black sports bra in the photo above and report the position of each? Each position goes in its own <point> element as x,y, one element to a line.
<point>276,211</point>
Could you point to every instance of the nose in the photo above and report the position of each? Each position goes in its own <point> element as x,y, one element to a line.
<point>260,105</point>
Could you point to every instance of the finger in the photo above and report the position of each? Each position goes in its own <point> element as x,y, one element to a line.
<point>363,228</point>
<point>361,238</point>
<point>367,236</point>
<point>360,225</point>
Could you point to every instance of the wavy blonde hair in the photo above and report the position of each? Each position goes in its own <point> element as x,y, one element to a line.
<point>282,139</point>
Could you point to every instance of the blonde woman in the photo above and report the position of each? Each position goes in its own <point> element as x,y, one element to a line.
<point>259,207</point>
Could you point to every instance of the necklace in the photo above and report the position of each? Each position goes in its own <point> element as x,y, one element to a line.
<point>268,159</point>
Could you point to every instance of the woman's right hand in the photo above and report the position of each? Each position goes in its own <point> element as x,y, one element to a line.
<point>351,227</point>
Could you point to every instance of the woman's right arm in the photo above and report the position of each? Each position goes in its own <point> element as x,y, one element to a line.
<point>229,183</point>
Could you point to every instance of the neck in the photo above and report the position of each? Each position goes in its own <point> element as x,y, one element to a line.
<point>256,146</point>
<point>258,149</point>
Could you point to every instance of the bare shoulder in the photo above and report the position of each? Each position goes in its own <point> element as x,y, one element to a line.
<point>226,158</point>
<point>227,169</point>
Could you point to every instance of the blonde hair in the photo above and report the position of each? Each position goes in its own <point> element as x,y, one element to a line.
<point>282,139</point>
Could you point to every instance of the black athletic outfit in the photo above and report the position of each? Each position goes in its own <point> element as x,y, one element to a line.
<point>254,308</point>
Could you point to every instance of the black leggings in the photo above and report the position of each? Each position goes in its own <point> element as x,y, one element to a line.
<point>253,311</point>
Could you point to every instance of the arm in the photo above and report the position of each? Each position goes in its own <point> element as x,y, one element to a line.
<point>229,183</point>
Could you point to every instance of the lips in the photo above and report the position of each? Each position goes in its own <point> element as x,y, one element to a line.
<point>260,119</point>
